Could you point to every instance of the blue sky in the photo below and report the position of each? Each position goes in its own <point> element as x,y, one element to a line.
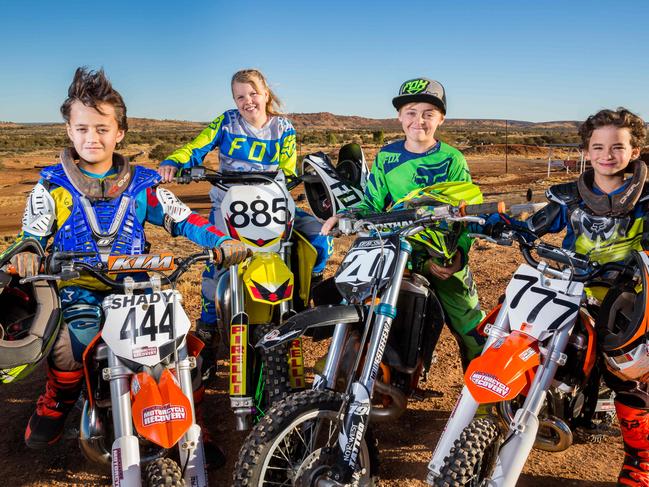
<point>537,61</point>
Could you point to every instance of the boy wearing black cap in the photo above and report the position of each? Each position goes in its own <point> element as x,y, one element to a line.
<point>416,162</point>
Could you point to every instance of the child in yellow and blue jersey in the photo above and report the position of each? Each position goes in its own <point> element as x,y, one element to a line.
<point>252,137</point>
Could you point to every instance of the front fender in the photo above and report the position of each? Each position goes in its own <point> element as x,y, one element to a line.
<point>312,318</point>
<point>504,369</point>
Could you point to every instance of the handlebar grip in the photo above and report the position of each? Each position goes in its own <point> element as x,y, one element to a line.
<point>483,208</point>
<point>393,217</point>
<point>563,256</point>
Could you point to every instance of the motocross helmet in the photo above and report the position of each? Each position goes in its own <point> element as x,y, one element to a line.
<point>441,241</point>
<point>30,317</point>
<point>330,189</point>
<point>623,325</point>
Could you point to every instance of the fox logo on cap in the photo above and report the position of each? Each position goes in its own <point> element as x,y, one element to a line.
<point>414,86</point>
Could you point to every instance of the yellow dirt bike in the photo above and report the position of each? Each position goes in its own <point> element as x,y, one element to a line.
<point>261,293</point>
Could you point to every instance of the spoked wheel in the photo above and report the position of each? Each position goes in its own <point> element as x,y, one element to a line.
<point>294,444</point>
<point>473,457</point>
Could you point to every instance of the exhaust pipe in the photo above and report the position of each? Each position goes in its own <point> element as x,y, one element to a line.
<point>554,434</point>
<point>394,410</point>
<point>95,445</point>
<point>92,436</point>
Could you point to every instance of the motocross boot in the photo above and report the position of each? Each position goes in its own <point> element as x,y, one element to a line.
<point>214,455</point>
<point>211,337</point>
<point>46,424</point>
<point>634,423</point>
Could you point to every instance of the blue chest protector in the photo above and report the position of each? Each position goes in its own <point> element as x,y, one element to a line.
<point>104,227</point>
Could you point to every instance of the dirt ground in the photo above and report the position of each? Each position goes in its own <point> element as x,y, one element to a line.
<point>405,445</point>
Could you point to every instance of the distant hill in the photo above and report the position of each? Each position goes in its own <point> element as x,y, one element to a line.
<point>330,121</point>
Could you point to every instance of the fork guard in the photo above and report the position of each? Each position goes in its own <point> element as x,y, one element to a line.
<point>317,317</point>
<point>504,370</point>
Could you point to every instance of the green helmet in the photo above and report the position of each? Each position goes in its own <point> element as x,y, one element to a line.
<point>441,241</point>
<point>30,318</point>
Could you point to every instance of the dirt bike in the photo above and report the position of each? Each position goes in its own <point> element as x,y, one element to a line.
<point>538,366</point>
<point>138,400</point>
<point>264,291</point>
<point>384,334</point>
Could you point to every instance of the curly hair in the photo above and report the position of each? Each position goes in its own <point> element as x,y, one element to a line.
<point>258,81</point>
<point>620,118</point>
<point>93,88</point>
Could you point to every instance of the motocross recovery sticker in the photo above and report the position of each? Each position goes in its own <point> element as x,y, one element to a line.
<point>490,383</point>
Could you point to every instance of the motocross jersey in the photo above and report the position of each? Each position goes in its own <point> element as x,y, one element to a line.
<point>602,238</point>
<point>57,210</point>
<point>242,147</point>
<point>396,172</point>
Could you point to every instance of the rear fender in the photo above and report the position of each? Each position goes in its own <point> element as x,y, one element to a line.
<point>504,370</point>
<point>316,317</point>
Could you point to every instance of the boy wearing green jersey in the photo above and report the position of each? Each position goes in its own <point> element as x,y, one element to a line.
<point>416,162</point>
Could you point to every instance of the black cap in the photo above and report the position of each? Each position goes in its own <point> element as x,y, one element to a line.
<point>421,90</point>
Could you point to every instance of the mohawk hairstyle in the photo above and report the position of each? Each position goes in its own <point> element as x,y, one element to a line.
<point>93,88</point>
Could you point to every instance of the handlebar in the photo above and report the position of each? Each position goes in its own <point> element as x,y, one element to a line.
<point>223,178</point>
<point>65,266</point>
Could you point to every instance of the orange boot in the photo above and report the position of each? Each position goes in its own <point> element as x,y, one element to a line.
<point>634,424</point>
<point>61,392</point>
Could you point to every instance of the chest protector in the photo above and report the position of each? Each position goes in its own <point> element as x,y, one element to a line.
<point>604,226</point>
<point>104,226</point>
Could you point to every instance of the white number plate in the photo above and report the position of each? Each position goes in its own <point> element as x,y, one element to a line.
<point>140,327</point>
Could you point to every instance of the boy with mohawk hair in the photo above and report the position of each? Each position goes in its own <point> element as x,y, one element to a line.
<point>96,201</point>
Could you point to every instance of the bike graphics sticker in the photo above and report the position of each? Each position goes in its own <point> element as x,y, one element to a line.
<point>370,260</point>
<point>490,383</point>
<point>163,414</point>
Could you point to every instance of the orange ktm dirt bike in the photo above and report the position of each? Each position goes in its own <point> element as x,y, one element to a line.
<point>384,334</point>
<point>139,403</point>
<point>539,366</point>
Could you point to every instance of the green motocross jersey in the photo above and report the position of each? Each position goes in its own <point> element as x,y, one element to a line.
<point>396,172</point>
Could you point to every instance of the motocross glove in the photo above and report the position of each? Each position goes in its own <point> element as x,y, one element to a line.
<point>27,264</point>
<point>232,252</point>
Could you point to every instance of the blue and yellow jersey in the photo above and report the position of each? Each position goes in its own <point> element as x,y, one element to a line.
<point>66,224</point>
<point>242,147</point>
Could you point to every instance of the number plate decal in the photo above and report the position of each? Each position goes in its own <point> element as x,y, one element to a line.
<point>256,214</point>
<point>138,327</point>
<point>361,266</point>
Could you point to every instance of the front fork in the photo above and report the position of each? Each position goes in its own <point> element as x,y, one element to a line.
<point>125,451</point>
<point>240,399</point>
<point>465,406</point>
<point>357,407</point>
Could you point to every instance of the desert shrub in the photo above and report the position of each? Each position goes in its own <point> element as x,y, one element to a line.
<point>160,151</point>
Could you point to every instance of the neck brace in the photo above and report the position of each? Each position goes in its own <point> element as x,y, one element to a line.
<point>93,188</point>
<point>613,205</point>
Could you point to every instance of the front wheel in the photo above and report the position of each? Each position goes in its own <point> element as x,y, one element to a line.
<point>289,446</point>
<point>473,457</point>
<point>163,472</point>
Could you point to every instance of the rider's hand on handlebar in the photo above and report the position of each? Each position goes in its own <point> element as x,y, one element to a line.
<point>232,252</point>
<point>27,264</point>
<point>168,173</point>
<point>329,224</point>
<point>444,272</point>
